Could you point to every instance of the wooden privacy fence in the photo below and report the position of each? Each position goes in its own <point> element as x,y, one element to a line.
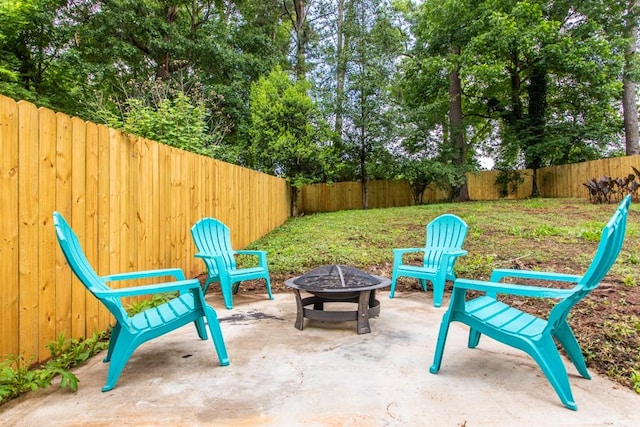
<point>553,181</point>
<point>130,200</point>
<point>567,180</point>
<point>348,195</point>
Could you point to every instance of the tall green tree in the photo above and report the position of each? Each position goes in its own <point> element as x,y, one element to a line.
<point>629,79</point>
<point>370,114</point>
<point>288,136</point>
<point>546,72</point>
<point>433,84</point>
<point>297,11</point>
<point>563,75</point>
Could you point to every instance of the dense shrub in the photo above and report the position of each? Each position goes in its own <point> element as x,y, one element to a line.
<point>608,190</point>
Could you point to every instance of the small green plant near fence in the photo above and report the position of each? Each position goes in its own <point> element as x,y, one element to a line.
<point>17,376</point>
<point>543,230</point>
<point>508,181</point>
<point>635,380</point>
<point>629,281</point>
<point>612,190</point>
<point>590,235</point>
<point>144,304</point>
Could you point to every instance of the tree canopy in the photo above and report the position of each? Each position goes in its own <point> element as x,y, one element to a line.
<point>324,90</point>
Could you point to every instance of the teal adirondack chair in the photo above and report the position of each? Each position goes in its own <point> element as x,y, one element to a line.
<point>130,332</point>
<point>445,237</point>
<point>213,241</point>
<point>485,314</point>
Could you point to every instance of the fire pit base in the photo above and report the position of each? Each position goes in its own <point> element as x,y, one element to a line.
<point>337,284</point>
<point>368,306</point>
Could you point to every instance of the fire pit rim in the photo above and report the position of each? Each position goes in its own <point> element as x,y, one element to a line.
<point>382,282</point>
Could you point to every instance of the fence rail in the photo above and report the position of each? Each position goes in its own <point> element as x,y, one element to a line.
<point>130,200</point>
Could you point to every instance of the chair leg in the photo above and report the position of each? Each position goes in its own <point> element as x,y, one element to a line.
<point>474,338</point>
<point>208,282</point>
<point>202,331</point>
<point>227,294</point>
<point>115,332</point>
<point>570,344</point>
<point>548,358</point>
<point>268,284</point>
<point>216,335</point>
<point>423,284</point>
<point>442,339</point>
<point>392,290</point>
<point>438,290</point>
<point>122,351</point>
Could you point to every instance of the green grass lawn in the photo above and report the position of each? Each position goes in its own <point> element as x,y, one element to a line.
<point>558,235</point>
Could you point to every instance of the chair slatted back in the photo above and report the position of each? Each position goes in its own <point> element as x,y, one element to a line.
<point>214,238</point>
<point>445,232</point>
<point>79,264</point>
<point>611,241</point>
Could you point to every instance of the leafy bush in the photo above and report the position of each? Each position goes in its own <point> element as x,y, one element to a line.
<point>18,377</point>
<point>608,190</point>
<point>424,172</point>
<point>508,181</point>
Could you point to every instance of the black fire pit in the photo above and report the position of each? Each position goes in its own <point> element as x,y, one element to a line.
<point>338,283</point>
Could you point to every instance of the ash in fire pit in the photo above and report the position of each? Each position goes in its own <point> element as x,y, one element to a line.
<point>338,283</point>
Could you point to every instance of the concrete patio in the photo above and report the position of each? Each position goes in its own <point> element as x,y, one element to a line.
<point>325,375</point>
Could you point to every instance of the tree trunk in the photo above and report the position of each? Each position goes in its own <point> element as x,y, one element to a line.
<point>629,105</point>
<point>535,133</point>
<point>341,69</point>
<point>456,127</point>
<point>294,201</point>
<point>363,169</point>
<point>164,62</point>
<point>299,23</point>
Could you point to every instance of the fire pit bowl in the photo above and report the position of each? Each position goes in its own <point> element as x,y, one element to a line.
<point>337,283</point>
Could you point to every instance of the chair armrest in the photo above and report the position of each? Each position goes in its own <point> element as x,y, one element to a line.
<point>403,251</point>
<point>262,255</point>
<point>248,252</point>
<point>455,252</point>
<point>218,260</point>
<point>499,273</point>
<point>177,273</point>
<point>181,286</point>
<point>511,289</point>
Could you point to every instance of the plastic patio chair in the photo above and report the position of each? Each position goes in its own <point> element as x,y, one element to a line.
<point>486,314</point>
<point>130,332</point>
<point>444,240</point>
<point>213,241</point>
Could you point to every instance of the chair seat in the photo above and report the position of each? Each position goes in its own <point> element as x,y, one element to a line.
<point>417,269</point>
<point>504,318</point>
<point>165,313</point>
<point>249,271</point>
